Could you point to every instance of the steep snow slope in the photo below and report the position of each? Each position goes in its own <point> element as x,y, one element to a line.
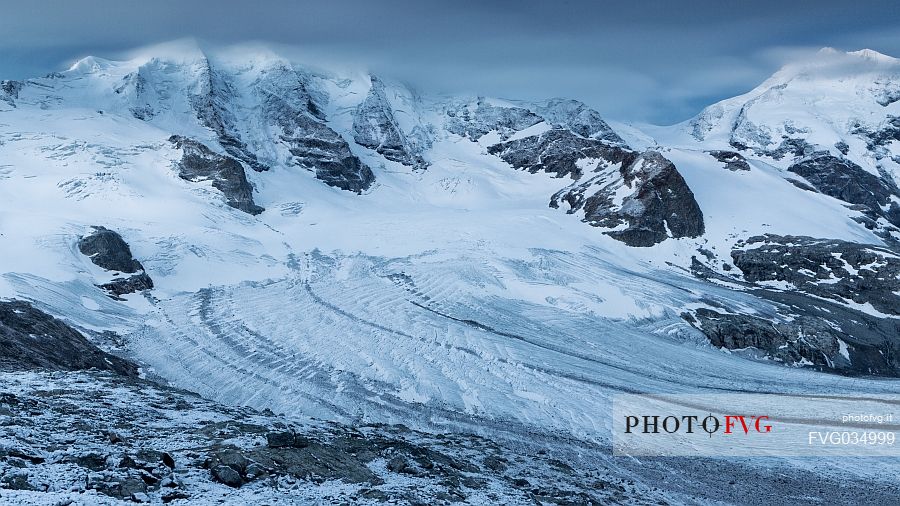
<point>403,268</point>
<point>823,101</point>
<point>830,123</point>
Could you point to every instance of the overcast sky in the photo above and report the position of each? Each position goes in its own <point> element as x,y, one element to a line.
<point>640,60</point>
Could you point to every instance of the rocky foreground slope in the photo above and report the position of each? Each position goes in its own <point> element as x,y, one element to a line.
<point>78,425</point>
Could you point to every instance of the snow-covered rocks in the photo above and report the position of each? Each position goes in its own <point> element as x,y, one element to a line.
<point>862,273</point>
<point>837,304</point>
<point>199,163</point>
<point>476,119</point>
<point>804,340</point>
<point>732,160</point>
<point>578,118</point>
<point>641,198</point>
<point>9,91</point>
<point>651,202</point>
<point>847,181</point>
<point>375,127</point>
<point>293,122</point>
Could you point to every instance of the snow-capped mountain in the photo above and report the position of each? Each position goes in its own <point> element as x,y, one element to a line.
<point>332,244</point>
<point>831,122</point>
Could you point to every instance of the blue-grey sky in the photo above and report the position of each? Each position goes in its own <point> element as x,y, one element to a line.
<point>640,60</point>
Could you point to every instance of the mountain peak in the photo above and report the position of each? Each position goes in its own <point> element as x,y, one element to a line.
<point>830,63</point>
<point>871,54</point>
<point>89,64</point>
<point>186,50</point>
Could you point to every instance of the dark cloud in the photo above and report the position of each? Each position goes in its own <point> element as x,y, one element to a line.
<point>652,60</point>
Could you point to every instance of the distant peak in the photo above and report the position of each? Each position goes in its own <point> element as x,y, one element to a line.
<point>826,51</point>
<point>871,54</point>
<point>830,63</point>
<point>185,50</point>
<point>182,51</point>
<point>89,64</point>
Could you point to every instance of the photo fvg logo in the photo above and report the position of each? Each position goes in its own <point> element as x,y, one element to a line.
<point>694,424</point>
<point>754,424</point>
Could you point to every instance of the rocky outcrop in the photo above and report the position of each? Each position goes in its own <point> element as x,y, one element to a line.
<point>559,152</point>
<point>199,163</point>
<point>833,304</point>
<point>31,339</point>
<point>579,119</point>
<point>109,251</point>
<point>211,104</point>
<point>641,196</point>
<point>286,103</point>
<point>660,204</point>
<point>803,340</point>
<point>9,91</point>
<point>475,120</point>
<point>375,127</point>
<point>131,284</point>
<point>314,145</point>
<point>843,271</point>
<point>878,140</point>
<point>792,343</point>
<point>847,181</point>
<point>733,161</point>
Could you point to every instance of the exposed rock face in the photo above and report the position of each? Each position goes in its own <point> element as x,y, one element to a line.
<point>199,163</point>
<point>802,340</point>
<point>791,343</point>
<point>878,140</point>
<point>32,339</point>
<point>375,127</point>
<point>131,284</point>
<point>9,91</point>
<point>660,204</point>
<point>578,118</point>
<point>847,181</point>
<point>843,271</point>
<point>313,145</point>
<point>108,250</point>
<point>733,161</point>
<point>211,104</point>
<point>559,152</point>
<point>316,146</point>
<point>476,120</point>
<point>642,197</point>
<point>832,304</point>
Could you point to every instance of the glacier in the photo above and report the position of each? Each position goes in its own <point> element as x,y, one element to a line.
<point>382,261</point>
